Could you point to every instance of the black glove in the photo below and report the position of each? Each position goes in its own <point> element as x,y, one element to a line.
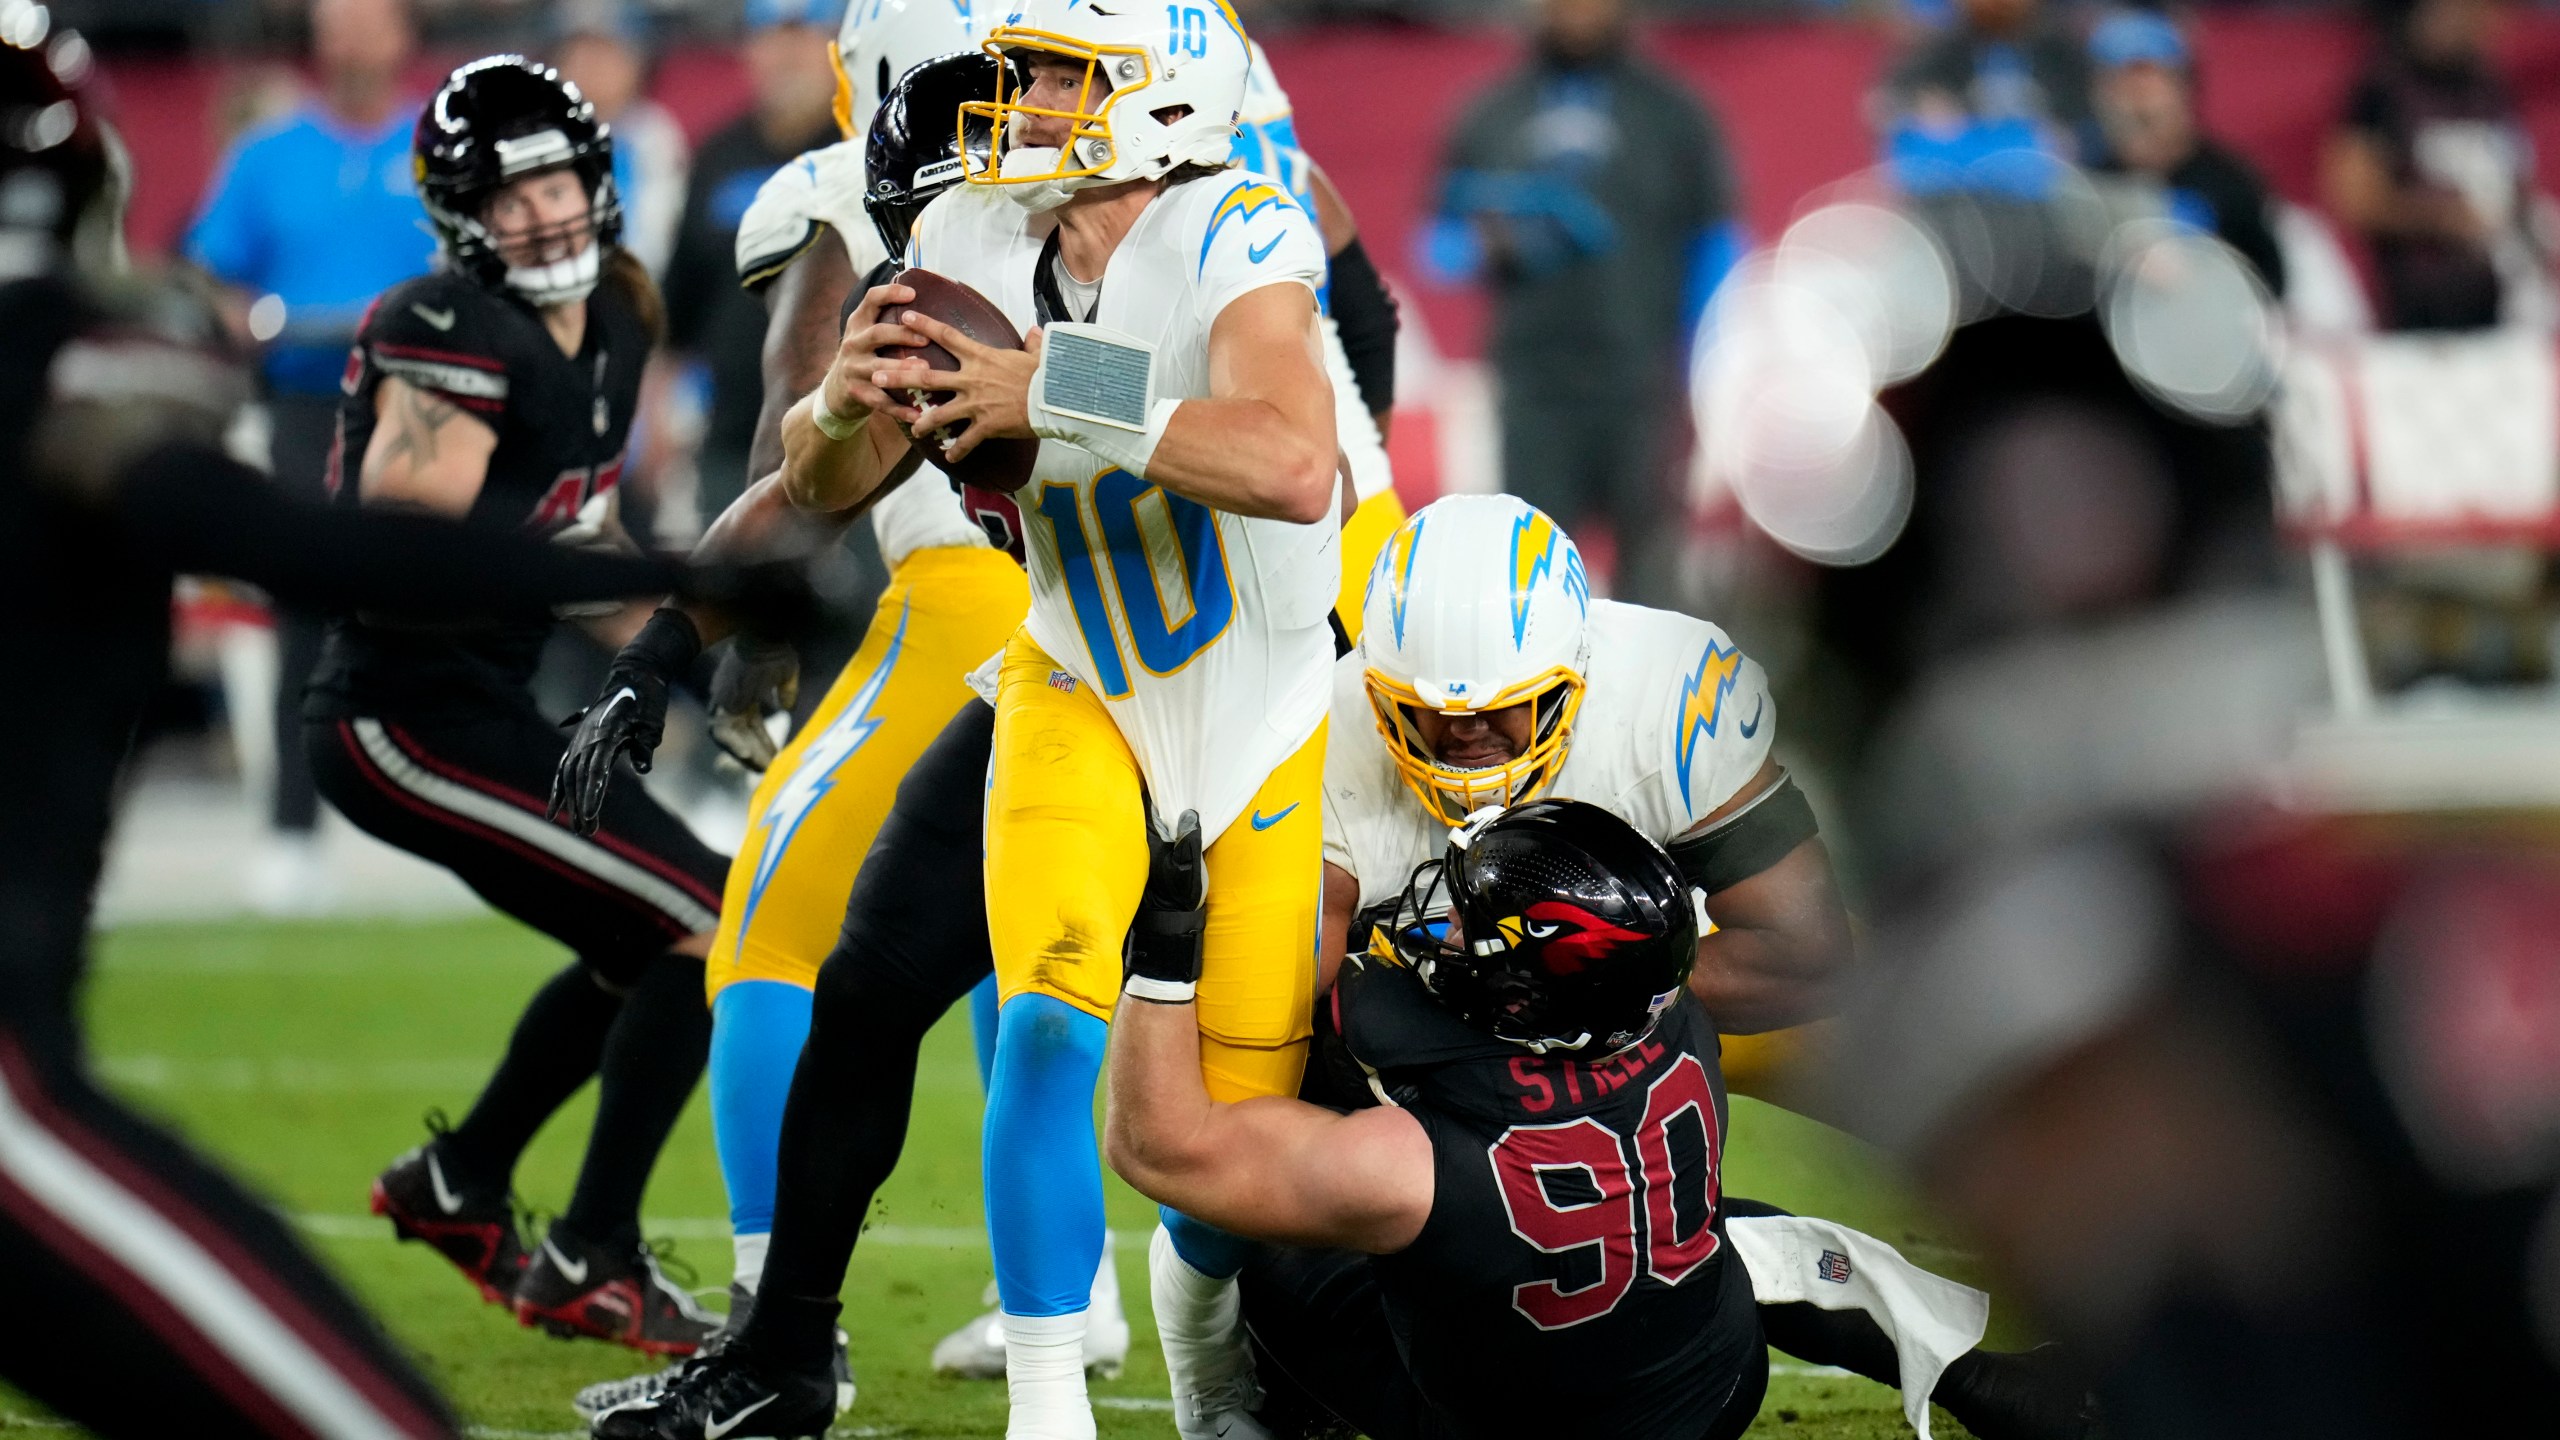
<point>756,678</point>
<point>1163,960</point>
<point>629,716</point>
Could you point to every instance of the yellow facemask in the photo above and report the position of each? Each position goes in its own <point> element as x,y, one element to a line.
<point>1453,792</point>
<point>1090,147</point>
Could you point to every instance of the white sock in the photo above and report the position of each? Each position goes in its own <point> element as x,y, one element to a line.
<point>1044,1378</point>
<point>1106,1280</point>
<point>746,1259</point>
<point>1198,1319</point>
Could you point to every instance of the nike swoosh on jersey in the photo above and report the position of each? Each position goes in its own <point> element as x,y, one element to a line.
<point>1261,823</point>
<point>446,1200</point>
<point>1258,253</point>
<point>576,1274</point>
<point>441,319</point>
<point>716,1429</point>
<point>1751,727</point>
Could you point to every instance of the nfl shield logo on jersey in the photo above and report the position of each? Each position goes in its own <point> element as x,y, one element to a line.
<point>1833,1266</point>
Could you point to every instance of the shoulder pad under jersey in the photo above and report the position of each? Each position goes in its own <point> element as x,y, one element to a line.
<point>817,191</point>
<point>445,334</point>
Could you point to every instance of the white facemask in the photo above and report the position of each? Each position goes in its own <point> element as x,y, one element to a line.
<point>558,282</point>
<point>1036,195</point>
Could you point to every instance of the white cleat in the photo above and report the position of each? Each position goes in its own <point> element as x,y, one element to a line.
<point>1221,1412</point>
<point>975,1351</point>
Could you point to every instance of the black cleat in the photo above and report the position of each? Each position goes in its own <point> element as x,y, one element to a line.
<point>576,1288</point>
<point>2037,1394</point>
<point>605,1395</point>
<point>474,1226</point>
<point>728,1396</point>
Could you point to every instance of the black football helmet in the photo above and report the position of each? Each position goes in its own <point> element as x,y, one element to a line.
<point>914,150</point>
<point>57,157</point>
<point>497,120</point>
<point>1553,925</point>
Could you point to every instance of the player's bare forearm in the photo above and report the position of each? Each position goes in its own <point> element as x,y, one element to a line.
<point>1781,949</point>
<point>1249,457</point>
<point>1270,1168</point>
<point>426,452</point>
<point>824,474</point>
<point>762,524</point>
<point>799,340</point>
<point>1262,443</point>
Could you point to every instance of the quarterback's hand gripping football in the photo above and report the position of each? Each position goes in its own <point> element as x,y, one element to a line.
<point>1163,960</point>
<point>989,396</point>
<point>848,391</point>
<point>755,679</point>
<point>629,717</point>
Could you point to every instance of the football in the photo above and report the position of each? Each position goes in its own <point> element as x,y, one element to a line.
<point>1003,466</point>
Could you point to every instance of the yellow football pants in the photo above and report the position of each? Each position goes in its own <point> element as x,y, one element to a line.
<point>1772,1066</point>
<point>1362,534</point>
<point>815,812</point>
<point>1067,862</point>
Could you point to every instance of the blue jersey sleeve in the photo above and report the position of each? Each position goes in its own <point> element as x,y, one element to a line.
<point>229,237</point>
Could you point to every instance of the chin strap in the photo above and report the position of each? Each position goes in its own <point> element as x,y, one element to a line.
<point>559,281</point>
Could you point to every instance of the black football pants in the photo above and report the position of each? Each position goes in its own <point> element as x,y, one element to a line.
<point>147,1293</point>
<point>914,942</point>
<point>1325,1353</point>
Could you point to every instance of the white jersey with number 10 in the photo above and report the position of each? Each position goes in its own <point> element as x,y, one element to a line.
<point>1205,632</point>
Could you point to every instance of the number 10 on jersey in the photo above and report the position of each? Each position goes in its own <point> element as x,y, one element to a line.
<point>1167,575</point>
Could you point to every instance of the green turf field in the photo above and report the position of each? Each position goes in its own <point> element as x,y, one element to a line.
<point>305,1054</point>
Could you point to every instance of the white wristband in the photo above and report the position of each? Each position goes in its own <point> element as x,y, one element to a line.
<point>1095,390</point>
<point>829,423</point>
<point>1163,992</point>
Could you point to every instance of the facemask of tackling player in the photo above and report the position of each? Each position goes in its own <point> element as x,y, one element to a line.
<point>1552,925</point>
<point>1096,96</point>
<point>1475,633</point>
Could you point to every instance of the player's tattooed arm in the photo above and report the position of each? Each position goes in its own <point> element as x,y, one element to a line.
<point>1782,942</point>
<point>1269,1168</point>
<point>426,452</point>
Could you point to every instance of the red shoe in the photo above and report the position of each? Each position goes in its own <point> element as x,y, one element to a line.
<point>427,1199</point>
<point>575,1288</point>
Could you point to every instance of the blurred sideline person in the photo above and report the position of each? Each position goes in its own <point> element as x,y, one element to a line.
<point>809,1171</point>
<point>603,49</point>
<point>2147,121</point>
<point>790,111</point>
<point>2431,165</point>
<point>318,211</point>
<point>148,1284</point>
<point>1595,197</point>
<point>2006,75</point>
<point>501,389</point>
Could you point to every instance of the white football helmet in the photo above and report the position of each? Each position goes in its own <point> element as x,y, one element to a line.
<point>1478,603</point>
<point>1189,56</point>
<point>881,40</point>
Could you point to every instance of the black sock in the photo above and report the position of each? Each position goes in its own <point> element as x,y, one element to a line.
<point>555,1048</point>
<point>914,941</point>
<point>652,1057</point>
